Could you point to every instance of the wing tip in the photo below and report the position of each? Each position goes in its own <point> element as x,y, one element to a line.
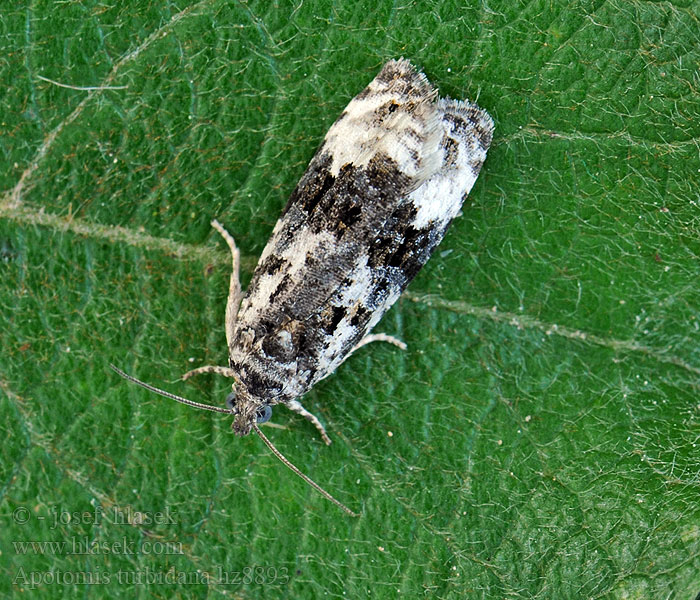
<point>477,120</point>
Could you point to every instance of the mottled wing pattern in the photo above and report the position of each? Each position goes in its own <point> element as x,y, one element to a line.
<point>374,202</point>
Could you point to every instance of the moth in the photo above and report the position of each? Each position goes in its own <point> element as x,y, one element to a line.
<point>375,201</point>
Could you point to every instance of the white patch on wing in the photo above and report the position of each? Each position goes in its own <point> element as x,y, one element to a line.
<point>361,276</point>
<point>356,294</point>
<point>398,119</point>
<point>302,244</point>
<point>403,137</point>
<point>440,198</point>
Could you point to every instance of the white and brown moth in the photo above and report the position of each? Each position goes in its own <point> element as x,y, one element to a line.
<point>375,201</point>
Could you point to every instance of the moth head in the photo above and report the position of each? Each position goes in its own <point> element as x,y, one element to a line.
<point>247,411</point>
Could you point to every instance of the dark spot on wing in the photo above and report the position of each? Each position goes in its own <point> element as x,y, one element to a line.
<point>360,317</point>
<point>281,288</point>
<point>470,124</point>
<point>451,151</point>
<point>336,316</point>
<point>386,242</point>
<point>377,295</point>
<point>349,213</point>
<point>415,241</point>
<point>383,111</point>
<point>310,260</point>
<point>314,185</point>
<point>272,264</point>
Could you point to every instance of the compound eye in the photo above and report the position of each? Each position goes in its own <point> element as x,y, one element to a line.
<point>263,415</point>
<point>231,400</point>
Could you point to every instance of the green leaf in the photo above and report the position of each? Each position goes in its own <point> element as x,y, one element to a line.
<point>539,437</point>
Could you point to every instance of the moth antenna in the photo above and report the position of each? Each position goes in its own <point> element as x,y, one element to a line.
<point>307,479</point>
<point>179,399</point>
<point>227,411</point>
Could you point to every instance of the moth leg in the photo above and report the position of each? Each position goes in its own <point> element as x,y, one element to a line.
<point>296,406</point>
<point>375,337</point>
<point>378,337</point>
<point>225,371</point>
<point>234,288</point>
